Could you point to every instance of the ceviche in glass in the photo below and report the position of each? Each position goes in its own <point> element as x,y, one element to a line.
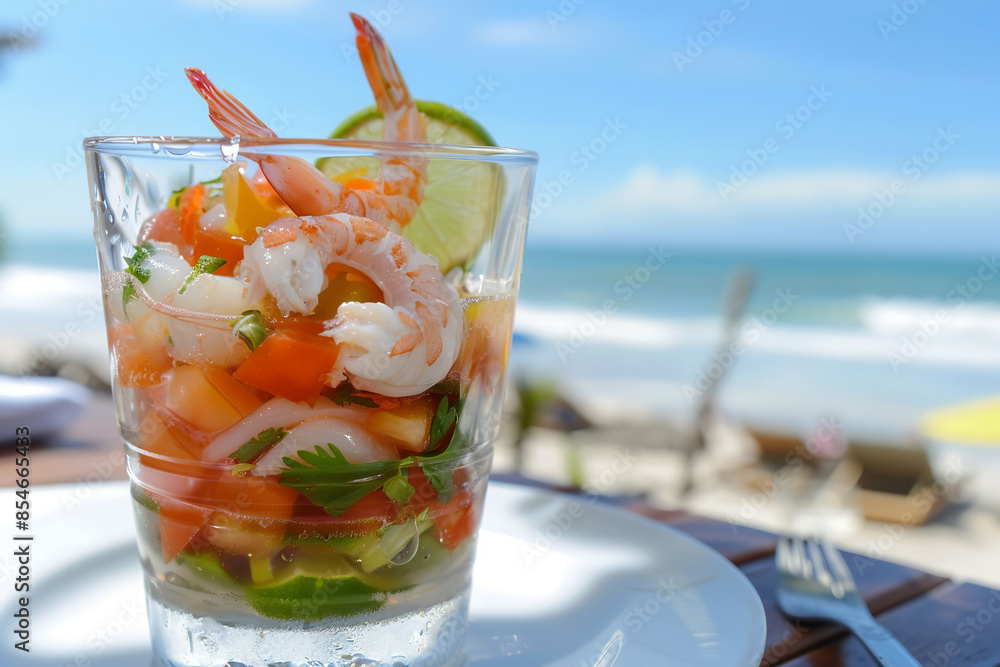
<point>308,344</point>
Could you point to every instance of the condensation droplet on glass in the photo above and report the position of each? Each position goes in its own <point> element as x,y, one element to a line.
<point>231,150</point>
<point>178,148</point>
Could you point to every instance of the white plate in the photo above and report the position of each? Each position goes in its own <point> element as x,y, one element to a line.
<point>560,581</point>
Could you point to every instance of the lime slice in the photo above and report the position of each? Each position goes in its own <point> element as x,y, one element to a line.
<point>305,598</point>
<point>300,596</point>
<point>462,198</point>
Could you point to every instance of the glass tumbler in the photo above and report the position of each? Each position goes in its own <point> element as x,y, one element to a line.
<point>308,403</point>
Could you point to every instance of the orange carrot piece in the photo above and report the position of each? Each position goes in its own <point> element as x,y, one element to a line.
<point>290,364</point>
<point>192,206</point>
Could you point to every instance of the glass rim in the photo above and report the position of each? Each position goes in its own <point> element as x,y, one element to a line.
<point>228,148</point>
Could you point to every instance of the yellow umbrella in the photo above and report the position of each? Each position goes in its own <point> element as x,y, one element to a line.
<point>973,423</point>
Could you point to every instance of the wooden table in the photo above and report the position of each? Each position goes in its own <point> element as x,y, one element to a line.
<point>940,621</point>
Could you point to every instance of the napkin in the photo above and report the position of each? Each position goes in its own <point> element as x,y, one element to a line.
<point>43,404</point>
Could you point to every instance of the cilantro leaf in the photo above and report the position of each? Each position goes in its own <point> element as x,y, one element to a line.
<point>141,254</point>
<point>344,394</point>
<point>449,385</point>
<point>443,419</point>
<point>326,478</point>
<point>134,269</point>
<point>205,264</point>
<point>437,469</point>
<point>253,447</point>
<point>128,293</point>
<point>399,489</point>
<point>329,480</point>
<point>441,479</point>
<point>250,327</point>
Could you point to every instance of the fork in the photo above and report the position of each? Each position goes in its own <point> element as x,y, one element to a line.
<point>814,583</point>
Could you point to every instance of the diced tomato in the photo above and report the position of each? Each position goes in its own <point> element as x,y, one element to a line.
<point>170,483</point>
<point>367,515</point>
<point>228,247</point>
<point>179,523</point>
<point>165,226</point>
<point>455,520</point>
<point>137,365</point>
<point>206,399</point>
<point>192,496</point>
<point>290,364</point>
<point>156,437</point>
<point>252,496</point>
<point>168,226</point>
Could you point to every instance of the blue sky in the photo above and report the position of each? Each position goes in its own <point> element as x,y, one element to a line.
<point>721,124</point>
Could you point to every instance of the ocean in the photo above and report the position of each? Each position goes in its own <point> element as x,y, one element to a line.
<point>871,342</point>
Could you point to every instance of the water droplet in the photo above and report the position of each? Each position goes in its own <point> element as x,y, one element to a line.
<point>231,150</point>
<point>178,148</point>
<point>156,147</point>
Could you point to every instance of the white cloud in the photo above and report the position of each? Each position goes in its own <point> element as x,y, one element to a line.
<point>225,6</point>
<point>531,32</point>
<point>810,207</point>
<point>649,191</point>
<point>514,32</point>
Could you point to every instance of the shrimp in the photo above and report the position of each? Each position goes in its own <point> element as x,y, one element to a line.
<point>190,320</point>
<point>392,198</point>
<point>397,348</point>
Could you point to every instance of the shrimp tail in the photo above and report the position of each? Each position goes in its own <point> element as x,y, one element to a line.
<point>225,111</point>
<point>402,121</point>
<point>380,67</point>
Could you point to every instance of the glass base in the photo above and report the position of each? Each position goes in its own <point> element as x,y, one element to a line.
<point>433,636</point>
